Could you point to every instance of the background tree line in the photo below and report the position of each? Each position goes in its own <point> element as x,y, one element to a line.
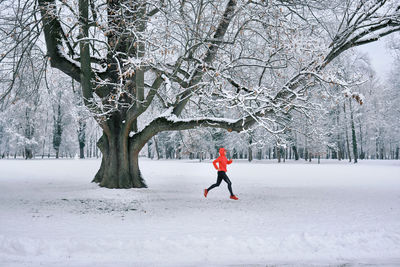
<point>342,128</point>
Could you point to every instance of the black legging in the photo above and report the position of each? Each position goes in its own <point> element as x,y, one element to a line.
<point>222,176</point>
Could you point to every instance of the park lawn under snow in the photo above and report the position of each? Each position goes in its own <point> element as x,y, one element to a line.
<point>288,214</point>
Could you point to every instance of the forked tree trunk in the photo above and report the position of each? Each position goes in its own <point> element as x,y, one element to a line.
<point>120,163</point>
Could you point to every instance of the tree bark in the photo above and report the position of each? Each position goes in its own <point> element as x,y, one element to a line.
<point>57,131</point>
<point>82,138</point>
<point>120,163</point>
<point>250,150</point>
<point>345,129</point>
<point>156,146</point>
<point>259,154</point>
<point>296,154</point>
<point>362,153</point>
<point>339,143</point>
<point>284,154</point>
<point>28,153</point>
<point>278,153</point>
<point>353,133</point>
<point>306,143</point>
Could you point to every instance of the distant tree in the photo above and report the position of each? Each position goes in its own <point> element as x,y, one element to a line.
<point>57,126</point>
<point>81,117</point>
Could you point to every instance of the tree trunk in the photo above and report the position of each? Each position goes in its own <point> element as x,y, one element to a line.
<point>28,133</point>
<point>156,146</point>
<point>362,153</point>
<point>58,129</point>
<point>250,153</point>
<point>28,152</point>
<point>391,152</point>
<point>278,153</point>
<point>44,144</point>
<point>120,163</point>
<point>259,154</point>
<point>296,154</point>
<point>81,151</point>
<point>149,143</point>
<point>353,133</point>
<point>381,152</point>
<point>284,154</point>
<point>345,129</point>
<point>305,153</point>
<point>338,137</point>
<point>82,138</point>
<point>235,154</point>
<point>306,141</point>
<point>91,146</point>
<point>250,150</point>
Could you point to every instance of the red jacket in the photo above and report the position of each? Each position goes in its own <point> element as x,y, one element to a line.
<point>221,160</point>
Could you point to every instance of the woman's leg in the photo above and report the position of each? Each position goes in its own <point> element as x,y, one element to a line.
<point>219,180</point>
<point>226,179</point>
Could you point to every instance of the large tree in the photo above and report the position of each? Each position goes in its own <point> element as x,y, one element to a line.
<point>152,66</point>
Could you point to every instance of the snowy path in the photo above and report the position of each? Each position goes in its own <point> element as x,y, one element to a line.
<point>291,214</point>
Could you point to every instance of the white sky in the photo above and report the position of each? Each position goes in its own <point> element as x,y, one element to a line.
<point>380,56</point>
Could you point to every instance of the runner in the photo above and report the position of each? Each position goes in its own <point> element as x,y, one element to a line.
<point>222,162</point>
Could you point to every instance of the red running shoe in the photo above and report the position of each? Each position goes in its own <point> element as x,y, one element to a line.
<point>205,192</point>
<point>234,197</point>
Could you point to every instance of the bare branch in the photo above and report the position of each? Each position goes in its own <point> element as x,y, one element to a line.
<point>53,36</point>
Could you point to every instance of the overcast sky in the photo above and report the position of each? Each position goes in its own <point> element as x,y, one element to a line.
<point>380,56</point>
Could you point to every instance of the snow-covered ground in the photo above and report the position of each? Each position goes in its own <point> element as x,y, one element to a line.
<point>288,214</point>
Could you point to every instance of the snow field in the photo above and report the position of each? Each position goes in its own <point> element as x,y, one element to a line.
<point>288,214</point>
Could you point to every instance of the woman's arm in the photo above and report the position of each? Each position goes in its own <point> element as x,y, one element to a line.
<point>215,163</point>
